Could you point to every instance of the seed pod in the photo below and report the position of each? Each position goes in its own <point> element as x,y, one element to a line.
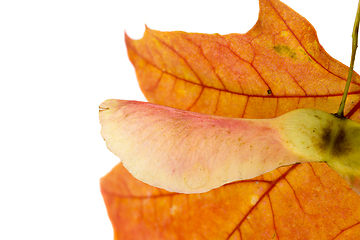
<point>189,152</point>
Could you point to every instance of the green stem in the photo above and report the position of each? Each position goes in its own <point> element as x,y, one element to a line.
<point>340,112</point>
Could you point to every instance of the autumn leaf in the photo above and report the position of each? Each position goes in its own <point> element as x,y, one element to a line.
<point>232,75</point>
<point>276,67</point>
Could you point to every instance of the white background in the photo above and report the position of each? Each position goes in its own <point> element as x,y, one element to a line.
<point>58,61</point>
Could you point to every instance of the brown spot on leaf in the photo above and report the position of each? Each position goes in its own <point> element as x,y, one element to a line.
<point>284,50</point>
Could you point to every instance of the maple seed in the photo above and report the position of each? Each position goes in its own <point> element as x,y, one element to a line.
<point>189,152</point>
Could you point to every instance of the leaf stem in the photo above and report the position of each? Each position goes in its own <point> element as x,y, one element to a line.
<point>340,112</point>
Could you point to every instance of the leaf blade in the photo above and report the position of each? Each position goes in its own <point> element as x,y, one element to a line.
<point>275,55</point>
<point>243,206</point>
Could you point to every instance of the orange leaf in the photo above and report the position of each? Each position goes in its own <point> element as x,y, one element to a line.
<point>276,67</point>
<point>231,75</point>
<point>305,201</point>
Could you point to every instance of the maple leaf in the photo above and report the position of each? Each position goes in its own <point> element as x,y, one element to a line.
<point>276,67</point>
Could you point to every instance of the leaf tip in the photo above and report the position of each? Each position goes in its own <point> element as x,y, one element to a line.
<point>126,37</point>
